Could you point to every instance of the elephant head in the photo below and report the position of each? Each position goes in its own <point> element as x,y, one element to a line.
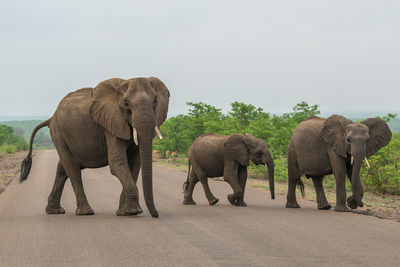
<point>355,142</point>
<point>246,148</point>
<point>133,109</point>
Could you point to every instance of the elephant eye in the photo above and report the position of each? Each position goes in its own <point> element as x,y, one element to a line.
<point>347,140</point>
<point>126,104</point>
<point>155,101</point>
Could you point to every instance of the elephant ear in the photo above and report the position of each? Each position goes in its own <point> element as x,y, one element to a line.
<point>237,148</point>
<point>333,132</point>
<point>162,92</point>
<point>379,135</point>
<point>105,107</point>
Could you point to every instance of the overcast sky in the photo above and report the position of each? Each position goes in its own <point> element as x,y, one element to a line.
<point>341,55</point>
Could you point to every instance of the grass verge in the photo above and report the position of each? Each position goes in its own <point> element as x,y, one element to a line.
<point>10,165</point>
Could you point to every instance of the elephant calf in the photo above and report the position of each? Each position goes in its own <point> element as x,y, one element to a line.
<point>213,155</point>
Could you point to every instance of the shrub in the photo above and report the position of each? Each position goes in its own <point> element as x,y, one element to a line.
<point>9,141</point>
<point>384,174</point>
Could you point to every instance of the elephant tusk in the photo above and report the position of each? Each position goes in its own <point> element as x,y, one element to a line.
<point>352,161</point>
<point>135,138</point>
<point>158,132</point>
<point>366,161</point>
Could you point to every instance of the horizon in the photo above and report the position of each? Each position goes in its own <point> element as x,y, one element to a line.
<point>325,114</point>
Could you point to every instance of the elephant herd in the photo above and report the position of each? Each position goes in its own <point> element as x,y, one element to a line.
<point>115,122</point>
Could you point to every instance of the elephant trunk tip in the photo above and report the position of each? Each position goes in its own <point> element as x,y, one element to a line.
<point>154,214</point>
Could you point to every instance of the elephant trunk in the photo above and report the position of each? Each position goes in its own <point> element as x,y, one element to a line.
<point>271,179</point>
<point>145,134</point>
<point>356,186</point>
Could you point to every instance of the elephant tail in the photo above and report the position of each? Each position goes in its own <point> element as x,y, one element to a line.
<point>301,186</point>
<point>186,183</point>
<point>27,162</point>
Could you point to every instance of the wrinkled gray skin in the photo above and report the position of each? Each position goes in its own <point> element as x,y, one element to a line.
<point>213,155</point>
<point>92,128</point>
<point>324,146</point>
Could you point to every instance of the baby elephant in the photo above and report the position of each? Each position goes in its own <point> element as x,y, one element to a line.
<point>213,155</point>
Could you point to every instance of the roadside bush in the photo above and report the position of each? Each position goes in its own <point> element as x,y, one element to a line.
<point>384,174</point>
<point>261,171</point>
<point>179,132</point>
<point>9,141</point>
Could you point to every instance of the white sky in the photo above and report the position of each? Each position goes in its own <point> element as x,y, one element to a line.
<point>342,55</point>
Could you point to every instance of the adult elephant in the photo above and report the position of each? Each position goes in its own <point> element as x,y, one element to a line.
<point>213,155</point>
<point>112,124</point>
<point>335,145</point>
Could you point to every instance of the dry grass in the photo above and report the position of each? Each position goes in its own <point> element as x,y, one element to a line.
<point>10,165</point>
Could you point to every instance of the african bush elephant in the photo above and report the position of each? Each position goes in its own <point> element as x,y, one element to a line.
<point>112,124</point>
<point>335,145</point>
<point>213,155</point>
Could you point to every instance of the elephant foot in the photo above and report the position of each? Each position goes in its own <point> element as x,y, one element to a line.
<point>352,203</point>
<point>120,212</point>
<point>131,212</point>
<point>241,203</point>
<point>342,209</point>
<point>292,205</point>
<point>135,209</point>
<point>189,202</point>
<point>213,202</point>
<point>231,199</point>
<point>123,212</point>
<point>54,210</point>
<point>87,210</point>
<point>325,206</point>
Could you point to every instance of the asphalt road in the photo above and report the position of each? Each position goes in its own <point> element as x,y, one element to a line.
<point>262,234</point>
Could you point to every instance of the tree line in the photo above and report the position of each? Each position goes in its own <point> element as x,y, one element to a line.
<point>9,141</point>
<point>24,129</point>
<point>180,131</point>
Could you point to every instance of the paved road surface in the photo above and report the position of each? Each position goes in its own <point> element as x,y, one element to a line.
<point>262,234</point>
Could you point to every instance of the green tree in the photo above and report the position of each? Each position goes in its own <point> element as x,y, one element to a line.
<point>384,174</point>
<point>389,117</point>
<point>244,113</point>
<point>303,110</point>
<point>9,141</point>
<point>42,140</point>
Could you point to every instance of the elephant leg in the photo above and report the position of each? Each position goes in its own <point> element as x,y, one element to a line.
<point>242,179</point>
<point>53,204</point>
<point>294,175</point>
<point>73,170</point>
<point>339,171</point>
<point>231,176</point>
<point>319,190</point>
<point>351,200</point>
<point>119,167</point>
<point>188,197</point>
<point>134,166</point>
<point>212,200</point>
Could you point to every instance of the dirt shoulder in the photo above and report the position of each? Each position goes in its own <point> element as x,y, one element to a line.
<point>384,207</point>
<point>10,165</point>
